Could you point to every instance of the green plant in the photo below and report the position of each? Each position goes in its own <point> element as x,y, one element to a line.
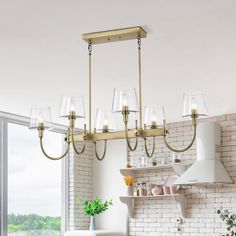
<point>229,219</point>
<point>94,207</point>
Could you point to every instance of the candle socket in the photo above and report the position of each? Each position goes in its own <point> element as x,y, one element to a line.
<point>72,118</point>
<point>194,116</point>
<point>125,113</point>
<point>105,129</point>
<point>125,108</point>
<point>153,125</point>
<point>40,129</point>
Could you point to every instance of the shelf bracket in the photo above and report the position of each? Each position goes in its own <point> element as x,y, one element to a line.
<point>180,199</point>
<point>129,203</point>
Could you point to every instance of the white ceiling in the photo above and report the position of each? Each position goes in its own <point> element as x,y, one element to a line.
<point>191,47</point>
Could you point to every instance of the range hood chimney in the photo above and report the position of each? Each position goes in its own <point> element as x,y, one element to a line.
<point>208,168</point>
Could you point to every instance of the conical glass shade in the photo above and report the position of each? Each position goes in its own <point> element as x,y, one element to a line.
<point>105,121</point>
<point>153,116</point>
<point>125,97</point>
<point>72,103</point>
<point>194,103</point>
<point>39,116</point>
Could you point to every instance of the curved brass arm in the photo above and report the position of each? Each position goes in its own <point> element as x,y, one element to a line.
<point>53,158</point>
<point>127,139</point>
<point>184,149</point>
<point>73,144</point>
<point>146,149</point>
<point>104,151</point>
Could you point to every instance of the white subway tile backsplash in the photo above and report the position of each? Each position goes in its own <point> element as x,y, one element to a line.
<point>202,201</point>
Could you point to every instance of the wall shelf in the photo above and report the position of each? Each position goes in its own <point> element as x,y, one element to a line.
<point>129,201</point>
<point>177,167</point>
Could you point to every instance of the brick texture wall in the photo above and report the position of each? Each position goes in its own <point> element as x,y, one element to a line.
<point>158,217</point>
<point>80,184</point>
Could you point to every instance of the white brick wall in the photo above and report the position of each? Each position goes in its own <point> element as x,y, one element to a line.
<point>80,184</point>
<point>202,201</point>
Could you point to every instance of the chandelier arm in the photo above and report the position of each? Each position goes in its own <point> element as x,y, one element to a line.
<point>184,149</point>
<point>127,139</point>
<point>104,151</point>
<point>153,147</point>
<point>73,144</point>
<point>54,158</point>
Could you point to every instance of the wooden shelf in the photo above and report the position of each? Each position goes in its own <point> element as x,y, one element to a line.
<point>177,167</point>
<point>129,201</point>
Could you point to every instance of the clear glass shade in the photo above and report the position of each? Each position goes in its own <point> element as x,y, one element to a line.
<point>125,97</point>
<point>105,121</point>
<point>153,116</point>
<point>39,116</point>
<point>72,104</point>
<point>194,103</point>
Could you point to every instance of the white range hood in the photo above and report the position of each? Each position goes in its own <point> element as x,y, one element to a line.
<point>208,168</point>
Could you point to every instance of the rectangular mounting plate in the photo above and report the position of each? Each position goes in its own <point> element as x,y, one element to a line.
<point>114,35</point>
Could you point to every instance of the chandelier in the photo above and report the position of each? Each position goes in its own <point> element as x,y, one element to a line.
<point>125,102</point>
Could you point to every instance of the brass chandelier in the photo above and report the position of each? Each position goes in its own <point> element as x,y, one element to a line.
<point>124,101</point>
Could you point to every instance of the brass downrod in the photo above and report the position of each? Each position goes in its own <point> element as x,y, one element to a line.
<point>90,86</point>
<point>140,84</point>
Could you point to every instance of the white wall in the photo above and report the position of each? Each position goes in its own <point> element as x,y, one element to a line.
<point>190,47</point>
<point>108,184</point>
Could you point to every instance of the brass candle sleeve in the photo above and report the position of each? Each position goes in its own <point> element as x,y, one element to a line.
<point>153,147</point>
<point>104,151</point>
<point>184,149</point>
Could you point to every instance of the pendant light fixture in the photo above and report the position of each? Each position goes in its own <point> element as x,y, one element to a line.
<point>125,101</point>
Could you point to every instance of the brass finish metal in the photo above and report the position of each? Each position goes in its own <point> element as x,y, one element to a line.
<point>104,151</point>
<point>40,130</point>
<point>125,113</point>
<point>153,147</point>
<point>90,85</point>
<point>140,84</point>
<point>53,158</point>
<point>191,143</point>
<point>132,133</point>
<point>104,37</point>
<point>127,139</point>
<point>72,118</point>
<point>115,35</point>
<point>73,143</point>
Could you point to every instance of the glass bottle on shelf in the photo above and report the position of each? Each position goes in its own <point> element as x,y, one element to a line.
<point>153,161</point>
<point>134,161</point>
<point>129,164</point>
<point>143,161</point>
<point>176,158</point>
<point>138,189</point>
<point>135,191</point>
<point>143,189</point>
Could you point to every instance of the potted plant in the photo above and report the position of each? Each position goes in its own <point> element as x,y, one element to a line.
<point>229,219</point>
<point>93,208</point>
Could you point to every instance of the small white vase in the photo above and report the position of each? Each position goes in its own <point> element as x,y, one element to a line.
<point>92,223</point>
<point>130,191</point>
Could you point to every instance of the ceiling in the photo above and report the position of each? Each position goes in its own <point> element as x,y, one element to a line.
<point>190,48</point>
